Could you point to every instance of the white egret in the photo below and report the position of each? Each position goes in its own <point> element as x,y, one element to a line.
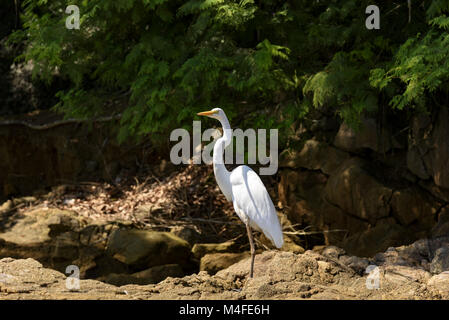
<point>245,190</point>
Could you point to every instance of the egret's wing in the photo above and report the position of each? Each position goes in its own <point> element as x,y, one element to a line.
<point>251,197</point>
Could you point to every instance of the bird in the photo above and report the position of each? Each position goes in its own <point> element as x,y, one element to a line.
<point>244,188</point>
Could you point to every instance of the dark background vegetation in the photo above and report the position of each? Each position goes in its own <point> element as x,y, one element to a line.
<point>267,63</point>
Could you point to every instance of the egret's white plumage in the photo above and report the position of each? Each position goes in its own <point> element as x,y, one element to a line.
<point>252,201</point>
<point>244,188</point>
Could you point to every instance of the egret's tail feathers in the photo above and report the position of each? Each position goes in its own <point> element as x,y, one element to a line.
<point>276,238</point>
<point>278,241</point>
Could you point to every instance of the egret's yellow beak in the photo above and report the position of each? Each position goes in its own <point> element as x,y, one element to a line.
<point>207,113</point>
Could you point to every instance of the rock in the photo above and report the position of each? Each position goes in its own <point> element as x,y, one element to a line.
<point>314,155</point>
<point>26,278</point>
<point>410,205</point>
<point>298,194</point>
<point>56,238</point>
<point>440,262</point>
<point>201,249</point>
<point>332,252</point>
<point>416,164</point>
<point>401,275</point>
<point>214,262</point>
<point>144,211</point>
<point>368,137</point>
<point>442,226</point>
<point>159,273</point>
<point>7,205</point>
<point>60,153</point>
<point>148,276</point>
<point>384,234</point>
<point>429,148</point>
<point>142,249</point>
<point>277,275</point>
<point>359,265</point>
<point>440,283</point>
<point>437,192</point>
<point>291,246</point>
<point>186,233</point>
<point>356,192</point>
<point>17,201</point>
<point>38,226</point>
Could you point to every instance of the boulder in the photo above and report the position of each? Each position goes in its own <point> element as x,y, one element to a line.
<point>57,238</point>
<point>440,262</point>
<point>429,148</point>
<point>314,155</point>
<point>356,192</point>
<point>214,262</point>
<point>398,275</point>
<point>368,137</point>
<point>41,225</point>
<point>332,252</point>
<point>386,233</point>
<point>441,228</point>
<point>410,205</point>
<point>28,279</point>
<point>189,234</point>
<point>440,283</point>
<point>359,265</point>
<point>141,249</point>
<point>291,246</point>
<point>201,249</point>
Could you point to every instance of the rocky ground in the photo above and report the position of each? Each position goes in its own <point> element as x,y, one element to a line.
<point>131,250</point>
<point>417,271</point>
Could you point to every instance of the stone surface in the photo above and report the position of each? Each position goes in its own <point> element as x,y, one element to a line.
<point>40,225</point>
<point>314,155</point>
<point>356,192</point>
<point>384,234</point>
<point>368,137</point>
<point>291,246</point>
<point>277,275</point>
<point>428,151</point>
<point>201,249</point>
<point>142,249</point>
<point>332,252</point>
<point>148,276</point>
<point>440,262</point>
<point>441,228</point>
<point>35,159</point>
<point>440,283</point>
<point>186,233</point>
<point>51,236</point>
<point>214,262</point>
<point>409,205</point>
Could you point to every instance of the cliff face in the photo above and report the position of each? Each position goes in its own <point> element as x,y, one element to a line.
<point>368,189</point>
<point>37,156</point>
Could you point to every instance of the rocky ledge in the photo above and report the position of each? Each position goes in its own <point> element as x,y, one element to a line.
<point>417,271</point>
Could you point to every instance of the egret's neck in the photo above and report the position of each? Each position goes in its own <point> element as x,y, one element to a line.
<point>222,175</point>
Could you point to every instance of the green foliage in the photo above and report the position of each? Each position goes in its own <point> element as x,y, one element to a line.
<point>275,60</point>
<point>420,65</point>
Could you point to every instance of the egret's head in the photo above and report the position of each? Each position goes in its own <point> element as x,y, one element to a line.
<point>216,113</point>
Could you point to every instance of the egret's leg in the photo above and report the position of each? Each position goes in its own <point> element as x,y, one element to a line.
<point>253,250</point>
